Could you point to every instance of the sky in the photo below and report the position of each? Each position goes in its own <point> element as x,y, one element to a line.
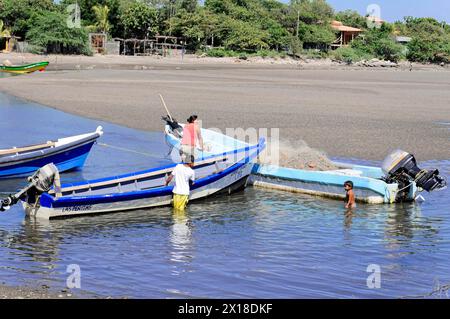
<point>393,10</point>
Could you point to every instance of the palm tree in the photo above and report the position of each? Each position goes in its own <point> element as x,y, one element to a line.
<point>4,33</point>
<point>101,16</point>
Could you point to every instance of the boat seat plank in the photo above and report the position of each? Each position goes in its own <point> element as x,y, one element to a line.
<point>27,148</point>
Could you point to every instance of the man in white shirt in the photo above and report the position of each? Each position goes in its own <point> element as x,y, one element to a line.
<point>183,173</point>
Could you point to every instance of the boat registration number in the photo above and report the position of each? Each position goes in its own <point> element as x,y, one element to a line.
<point>77,208</point>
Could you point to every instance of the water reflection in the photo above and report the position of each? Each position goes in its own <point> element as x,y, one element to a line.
<point>181,240</point>
<point>405,222</point>
<point>348,219</point>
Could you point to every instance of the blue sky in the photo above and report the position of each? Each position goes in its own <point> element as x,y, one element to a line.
<point>392,10</point>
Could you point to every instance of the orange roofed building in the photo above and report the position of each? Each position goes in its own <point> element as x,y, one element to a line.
<point>347,34</point>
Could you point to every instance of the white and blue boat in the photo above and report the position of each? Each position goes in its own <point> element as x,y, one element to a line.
<point>398,180</point>
<point>224,173</point>
<point>369,186</point>
<point>66,153</point>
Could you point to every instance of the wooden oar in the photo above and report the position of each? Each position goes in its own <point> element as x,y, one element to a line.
<point>165,106</point>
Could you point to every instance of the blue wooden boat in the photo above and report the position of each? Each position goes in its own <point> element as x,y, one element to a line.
<point>224,173</point>
<point>66,153</point>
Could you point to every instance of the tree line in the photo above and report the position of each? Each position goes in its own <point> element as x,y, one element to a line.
<point>224,28</point>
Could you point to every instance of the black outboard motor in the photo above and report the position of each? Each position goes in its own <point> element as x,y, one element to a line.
<point>177,129</point>
<point>40,182</point>
<point>401,167</point>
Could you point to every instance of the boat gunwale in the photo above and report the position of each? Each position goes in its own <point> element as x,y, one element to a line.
<point>130,179</point>
<point>362,182</point>
<point>113,179</point>
<point>274,177</point>
<point>42,153</point>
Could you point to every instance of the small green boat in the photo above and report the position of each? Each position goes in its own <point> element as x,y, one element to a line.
<point>22,69</point>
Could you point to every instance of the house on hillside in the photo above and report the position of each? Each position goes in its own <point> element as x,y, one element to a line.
<point>374,21</point>
<point>403,41</point>
<point>346,34</point>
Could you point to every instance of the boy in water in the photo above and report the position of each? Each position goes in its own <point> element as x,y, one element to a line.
<point>350,195</point>
<point>183,174</point>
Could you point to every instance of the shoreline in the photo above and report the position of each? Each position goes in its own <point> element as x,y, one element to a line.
<point>25,292</point>
<point>357,113</point>
<point>195,62</point>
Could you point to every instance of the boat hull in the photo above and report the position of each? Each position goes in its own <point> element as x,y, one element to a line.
<point>65,160</point>
<point>329,184</point>
<point>23,69</point>
<point>227,181</point>
<point>67,154</point>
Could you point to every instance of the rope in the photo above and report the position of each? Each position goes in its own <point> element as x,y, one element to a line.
<point>128,150</point>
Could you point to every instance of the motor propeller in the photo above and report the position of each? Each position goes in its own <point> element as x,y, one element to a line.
<point>40,182</point>
<point>401,167</point>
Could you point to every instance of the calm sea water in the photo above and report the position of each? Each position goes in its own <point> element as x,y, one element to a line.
<point>253,244</point>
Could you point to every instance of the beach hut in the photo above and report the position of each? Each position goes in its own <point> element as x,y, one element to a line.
<point>7,43</point>
<point>404,42</point>
<point>97,42</point>
<point>346,34</point>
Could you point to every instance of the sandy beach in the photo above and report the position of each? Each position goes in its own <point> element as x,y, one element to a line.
<point>344,111</point>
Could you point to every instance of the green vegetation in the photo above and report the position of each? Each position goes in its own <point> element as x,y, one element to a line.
<point>351,18</point>
<point>101,19</point>
<point>378,43</point>
<point>49,32</point>
<point>431,40</point>
<point>139,21</point>
<point>225,28</point>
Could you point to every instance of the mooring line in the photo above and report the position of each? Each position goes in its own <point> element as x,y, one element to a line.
<point>128,150</point>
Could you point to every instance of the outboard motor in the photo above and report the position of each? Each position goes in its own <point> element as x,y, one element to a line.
<point>40,182</point>
<point>401,167</point>
<point>177,129</point>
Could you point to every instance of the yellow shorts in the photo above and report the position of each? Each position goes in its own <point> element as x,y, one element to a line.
<point>180,201</point>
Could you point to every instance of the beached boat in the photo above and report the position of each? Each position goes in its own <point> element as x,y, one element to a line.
<point>398,180</point>
<point>26,68</point>
<point>215,174</point>
<point>66,153</point>
<point>369,185</point>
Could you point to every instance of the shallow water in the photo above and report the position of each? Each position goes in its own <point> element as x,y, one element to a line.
<point>257,243</point>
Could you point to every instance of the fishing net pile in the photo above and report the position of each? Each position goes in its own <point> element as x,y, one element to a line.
<point>300,156</point>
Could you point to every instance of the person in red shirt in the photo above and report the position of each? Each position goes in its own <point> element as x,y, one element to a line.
<point>191,135</point>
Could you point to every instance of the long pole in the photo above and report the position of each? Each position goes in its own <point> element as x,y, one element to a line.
<point>165,106</point>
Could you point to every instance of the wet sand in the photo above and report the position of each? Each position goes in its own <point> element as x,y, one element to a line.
<point>361,113</point>
<point>31,293</point>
